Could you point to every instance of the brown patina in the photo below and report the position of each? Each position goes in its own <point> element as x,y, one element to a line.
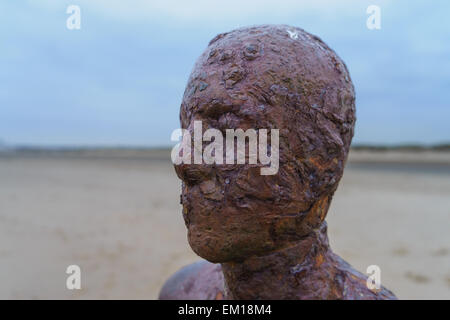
<point>265,236</point>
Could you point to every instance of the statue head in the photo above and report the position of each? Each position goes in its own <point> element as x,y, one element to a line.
<point>266,77</point>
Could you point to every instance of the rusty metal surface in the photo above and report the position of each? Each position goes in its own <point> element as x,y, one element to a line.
<point>199,281</point>
<point>268,232</point>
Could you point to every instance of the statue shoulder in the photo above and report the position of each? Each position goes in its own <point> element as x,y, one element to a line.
<point>198,281</point>
<point>355,284</point>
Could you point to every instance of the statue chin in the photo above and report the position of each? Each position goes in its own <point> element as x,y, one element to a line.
<point>217,249</point>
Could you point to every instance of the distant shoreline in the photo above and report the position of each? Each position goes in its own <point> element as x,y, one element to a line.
<point>81,148</point>
<point>403,147</point>
<point>402,157</point>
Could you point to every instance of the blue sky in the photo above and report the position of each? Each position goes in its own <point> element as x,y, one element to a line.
<point>120,78</point>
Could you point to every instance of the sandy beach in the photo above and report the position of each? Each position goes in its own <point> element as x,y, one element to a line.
<point>116,214</point>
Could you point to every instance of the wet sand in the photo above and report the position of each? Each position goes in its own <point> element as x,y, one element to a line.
<point>116,214</point>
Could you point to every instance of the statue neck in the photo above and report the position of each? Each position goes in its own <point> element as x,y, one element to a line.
<point>300,271</point>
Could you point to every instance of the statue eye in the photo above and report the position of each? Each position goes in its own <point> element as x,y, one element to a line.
<point>215,109</point>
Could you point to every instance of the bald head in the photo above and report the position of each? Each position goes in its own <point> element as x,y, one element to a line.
<point>266,77</point>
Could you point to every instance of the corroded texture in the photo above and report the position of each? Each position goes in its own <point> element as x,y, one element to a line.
<point>268,232</point>
<point>307,270</point>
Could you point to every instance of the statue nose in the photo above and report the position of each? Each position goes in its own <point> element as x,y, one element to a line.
<point>192,173</point>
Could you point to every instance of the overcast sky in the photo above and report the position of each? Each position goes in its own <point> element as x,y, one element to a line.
<point>120,78</point>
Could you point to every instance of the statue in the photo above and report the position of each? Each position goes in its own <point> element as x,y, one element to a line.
<point>265,236</point>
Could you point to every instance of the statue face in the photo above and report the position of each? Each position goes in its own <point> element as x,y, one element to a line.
<point>257,78</point>
<point>231,210</point>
